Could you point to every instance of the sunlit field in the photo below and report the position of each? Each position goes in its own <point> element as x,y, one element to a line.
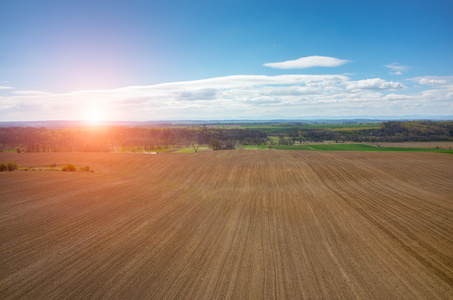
<point>388,147</point>
<point>228,224</point>
<point>226,150</point>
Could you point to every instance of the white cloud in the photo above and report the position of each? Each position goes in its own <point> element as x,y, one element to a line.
<point>201,94</point>
<point>5,87</point>
<point>236,97</point>
<point>397,97</point>
<point>308,62</point>
<point>262,101</point>
<point>375,84</point>
<point>31,92</point>
<point>233,82</point>
<point>433,80</point>
<point>396,68</point>
<point>292,90</point>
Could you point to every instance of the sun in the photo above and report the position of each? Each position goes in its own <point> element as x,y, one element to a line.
<point>94,117</point>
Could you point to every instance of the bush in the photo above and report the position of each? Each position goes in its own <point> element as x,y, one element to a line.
<point>11,166</point>
<point>20,149</point>
<point>71,168</point>
<point>85,169</point>
<point>215,144</point>
<point>3,167</point>
<point>53,165</point>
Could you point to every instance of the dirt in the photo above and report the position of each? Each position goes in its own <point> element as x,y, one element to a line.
<point>228,224</point>
<point>427,145</point>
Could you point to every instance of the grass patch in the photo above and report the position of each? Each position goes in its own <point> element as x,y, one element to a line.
<point>53,167</point>
<point>191,150</point>
<point>157,150</point>
<point>138,149</point>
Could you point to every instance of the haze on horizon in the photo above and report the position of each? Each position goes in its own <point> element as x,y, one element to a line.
<point>174,60</point>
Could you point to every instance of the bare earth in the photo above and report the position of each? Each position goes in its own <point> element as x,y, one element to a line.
<point>428,145</point>
<point>228,224</point>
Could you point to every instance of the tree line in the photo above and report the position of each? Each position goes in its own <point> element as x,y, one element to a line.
<point>392,131</point>
<point>106,139</point>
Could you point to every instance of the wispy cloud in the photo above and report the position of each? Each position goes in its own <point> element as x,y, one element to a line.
<point>396,68</point>
<point>425,81</point>
<point>201,94</point>
<point>308,62</point>
<point>433,80</point>
<point>236,97</point>
<point>375,84</point>
<point>5,87</point>
<point>31,92</point>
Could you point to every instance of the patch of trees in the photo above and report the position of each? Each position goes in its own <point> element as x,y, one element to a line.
<point>69,168</point>
<point>393,131</point>
<point>418,130</point>
<point>9,166</point>
<point>216,145</point>
<point>72,168</point>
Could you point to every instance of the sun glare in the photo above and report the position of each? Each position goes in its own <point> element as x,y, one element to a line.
<point>94,117</point>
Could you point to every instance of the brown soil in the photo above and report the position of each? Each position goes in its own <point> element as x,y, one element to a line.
<point>428,145</point>
<point>228,224</point>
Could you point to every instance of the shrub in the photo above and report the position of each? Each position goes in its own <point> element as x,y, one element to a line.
<point>53,165</point>
<point>215,144</point>
<point>69,167</point>
<point>85,169</point>
<point>195,147</point>
<point>11,166</point>
<point>3,167</point>
<point>20,149</point>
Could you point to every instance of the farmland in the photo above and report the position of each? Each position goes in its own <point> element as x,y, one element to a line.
<point>228,224</point>
<point>352,147</point>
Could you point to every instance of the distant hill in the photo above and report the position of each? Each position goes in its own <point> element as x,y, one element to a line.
<point>175,123</point>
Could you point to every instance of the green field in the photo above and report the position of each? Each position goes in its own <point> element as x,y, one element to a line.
<point>191,150</point>
<point>349,147</point>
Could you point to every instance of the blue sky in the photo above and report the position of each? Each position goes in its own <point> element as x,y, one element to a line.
<point>148,60</point>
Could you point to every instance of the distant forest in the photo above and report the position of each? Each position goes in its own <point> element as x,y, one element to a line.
<point>123,138</point>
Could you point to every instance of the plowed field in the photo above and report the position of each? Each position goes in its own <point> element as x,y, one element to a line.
<point>228,224</point>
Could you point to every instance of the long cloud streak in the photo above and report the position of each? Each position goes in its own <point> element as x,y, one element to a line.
<point>308,62</point>
<point>236,97</point>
